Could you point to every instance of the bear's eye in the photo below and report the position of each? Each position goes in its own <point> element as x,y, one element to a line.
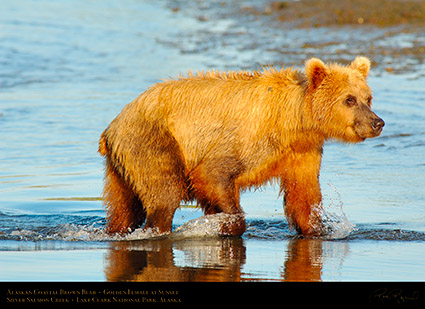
<point>350,101</point>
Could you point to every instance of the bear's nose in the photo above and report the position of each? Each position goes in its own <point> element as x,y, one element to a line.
<point>378,124</point>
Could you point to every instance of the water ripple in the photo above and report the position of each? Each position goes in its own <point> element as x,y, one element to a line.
<point>92,229</point>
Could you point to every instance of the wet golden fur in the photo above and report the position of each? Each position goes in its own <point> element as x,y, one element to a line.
<point>208,136</point>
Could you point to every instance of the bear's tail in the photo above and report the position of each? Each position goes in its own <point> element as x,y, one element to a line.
<point>103,145</point>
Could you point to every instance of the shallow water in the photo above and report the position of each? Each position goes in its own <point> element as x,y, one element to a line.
<point>67,69</point>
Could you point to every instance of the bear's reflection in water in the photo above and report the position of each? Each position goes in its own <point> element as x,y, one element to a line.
<point>207,260</point>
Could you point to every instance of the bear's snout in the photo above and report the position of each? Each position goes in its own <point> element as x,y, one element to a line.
<point>377,125</point>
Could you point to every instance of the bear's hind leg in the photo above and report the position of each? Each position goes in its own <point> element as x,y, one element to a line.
<point>160,219</point>
<point>160,208</point>
<point>216,192</point>
<point>163,183</point>
<point>125,212</point>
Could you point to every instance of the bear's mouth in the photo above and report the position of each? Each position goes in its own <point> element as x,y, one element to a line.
<point>352,134</point>
<point>364,132</point>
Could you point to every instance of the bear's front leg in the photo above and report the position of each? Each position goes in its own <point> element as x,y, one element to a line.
<point>300,183</point>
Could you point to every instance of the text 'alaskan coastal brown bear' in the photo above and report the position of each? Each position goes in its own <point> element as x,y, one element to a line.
<point>208,136</point>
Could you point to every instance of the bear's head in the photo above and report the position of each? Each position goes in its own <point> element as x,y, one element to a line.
<point>341,100</point>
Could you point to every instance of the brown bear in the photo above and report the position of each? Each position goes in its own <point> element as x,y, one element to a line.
<point>208,136</point>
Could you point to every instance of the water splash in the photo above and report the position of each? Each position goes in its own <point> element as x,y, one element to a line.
<point>75,232</point>
<point>62,232</point>
<point>202,227</point>
<point>138,234</point>
<point>206,226</point>
<point>335,224</point>
<point>92,229</point>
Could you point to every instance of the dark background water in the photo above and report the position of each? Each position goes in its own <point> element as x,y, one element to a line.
<point>68,68</point>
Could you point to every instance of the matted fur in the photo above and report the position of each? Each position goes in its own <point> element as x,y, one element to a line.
<point>208,136</point>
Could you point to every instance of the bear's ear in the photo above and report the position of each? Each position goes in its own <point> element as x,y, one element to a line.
<point>361,64</point>
<point>315,71</point>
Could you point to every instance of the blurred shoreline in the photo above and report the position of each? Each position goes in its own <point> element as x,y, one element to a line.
<point>317,13</point>
<point>389,32</point>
